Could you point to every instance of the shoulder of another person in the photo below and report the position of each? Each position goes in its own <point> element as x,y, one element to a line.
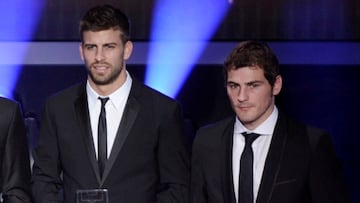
<point>8,105</point>
<point>7,102</point>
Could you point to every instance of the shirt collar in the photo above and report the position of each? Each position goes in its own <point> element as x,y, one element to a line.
<point>115,98</point>
<point>265,128</point>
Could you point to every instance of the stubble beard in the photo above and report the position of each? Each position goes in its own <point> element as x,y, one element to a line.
<point>253,118</point>
<point>103,80</point>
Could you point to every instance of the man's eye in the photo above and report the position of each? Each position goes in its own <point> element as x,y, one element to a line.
<point>90,47</point>
<point>109,46</point>
<point>232,86</point>
<point>254,85</point>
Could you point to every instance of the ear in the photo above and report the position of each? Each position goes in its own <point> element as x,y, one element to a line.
<point>128,50</point>
<point>81,51</point>
<point>277,85</point>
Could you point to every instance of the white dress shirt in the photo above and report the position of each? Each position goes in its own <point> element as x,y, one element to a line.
<point>114,111</point>
<point>260,149</point>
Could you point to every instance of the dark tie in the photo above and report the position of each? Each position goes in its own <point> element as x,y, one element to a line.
<point>102,136</point>
<point>246,188</point>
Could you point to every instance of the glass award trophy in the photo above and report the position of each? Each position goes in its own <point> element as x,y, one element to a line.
<point>92,196</point>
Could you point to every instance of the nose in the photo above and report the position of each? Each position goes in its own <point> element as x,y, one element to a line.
<point>99,56</point>
<point>242,94</point>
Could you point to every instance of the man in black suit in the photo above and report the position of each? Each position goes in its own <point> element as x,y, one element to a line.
<point>290,161</point>
<point>14,154</point>
<point>145,155</point>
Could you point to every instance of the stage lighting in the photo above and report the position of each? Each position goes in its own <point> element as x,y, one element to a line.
<point>18,22</point>
<point>180,31</point>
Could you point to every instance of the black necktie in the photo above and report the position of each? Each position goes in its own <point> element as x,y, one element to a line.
<point>246,188</point>
<point>102,136</point>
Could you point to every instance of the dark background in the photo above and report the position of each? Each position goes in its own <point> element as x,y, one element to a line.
<point>246,19</point>
<point>325,96</point>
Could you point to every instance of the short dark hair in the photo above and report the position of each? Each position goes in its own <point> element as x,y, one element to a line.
<point>253,53</point>
<point>104,17</point>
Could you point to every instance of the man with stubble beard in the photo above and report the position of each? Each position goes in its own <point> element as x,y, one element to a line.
<point>111,132</point>
<point>259,154</point>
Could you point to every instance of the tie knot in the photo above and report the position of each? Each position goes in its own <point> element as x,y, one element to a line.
<point>103,100</point>
<point>250,137</point>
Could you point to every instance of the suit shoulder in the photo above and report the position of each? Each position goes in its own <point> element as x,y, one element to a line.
<point>301,131</point>
<point>318,136</point>
<point>156,93</point>
<point>308,129</point>
<point>10,111</point>
<point>154,97</point>
<point>6,103</point>
<point>213,132</point>
<point>9,107</point>
<point>217,126</point>
<point>68,93</point>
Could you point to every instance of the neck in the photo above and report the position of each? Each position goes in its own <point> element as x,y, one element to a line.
<point>107,89</point>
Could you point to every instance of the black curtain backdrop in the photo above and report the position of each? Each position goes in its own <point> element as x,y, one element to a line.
<point>246,19</point>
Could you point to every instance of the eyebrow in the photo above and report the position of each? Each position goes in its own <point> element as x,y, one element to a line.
<point>247,83</point>
<point>254,82</point>
<point>110,43</point>
<point>94,44</point>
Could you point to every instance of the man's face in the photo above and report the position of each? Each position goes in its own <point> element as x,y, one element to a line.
<point>251,96</point>
<point>104,55</point>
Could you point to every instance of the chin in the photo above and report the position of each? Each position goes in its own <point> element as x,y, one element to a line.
<point>99,81</point>
<point>245,119</point>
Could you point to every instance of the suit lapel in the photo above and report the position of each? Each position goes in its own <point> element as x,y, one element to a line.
<point>127,121</point>
<point>273,161</point>
<point>227,173</point>
<point>82,114</point>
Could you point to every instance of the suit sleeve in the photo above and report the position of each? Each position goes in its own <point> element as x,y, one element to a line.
<point>197,185</point>
<point>46,181</point>
<point>327,183</point>
<point>173,159</point>
<point>16,164</point>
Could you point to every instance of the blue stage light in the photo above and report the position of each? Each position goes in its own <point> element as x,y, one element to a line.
<point>18,21</point>
<point>7,74</point>
<point>180,32</point>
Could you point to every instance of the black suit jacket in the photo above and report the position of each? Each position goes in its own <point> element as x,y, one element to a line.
<point>301,166</point>
<point>14,154</point>
<point>148,161</point>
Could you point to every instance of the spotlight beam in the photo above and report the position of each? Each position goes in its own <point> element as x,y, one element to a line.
<point>180,32</point>
<point>19,19</point>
